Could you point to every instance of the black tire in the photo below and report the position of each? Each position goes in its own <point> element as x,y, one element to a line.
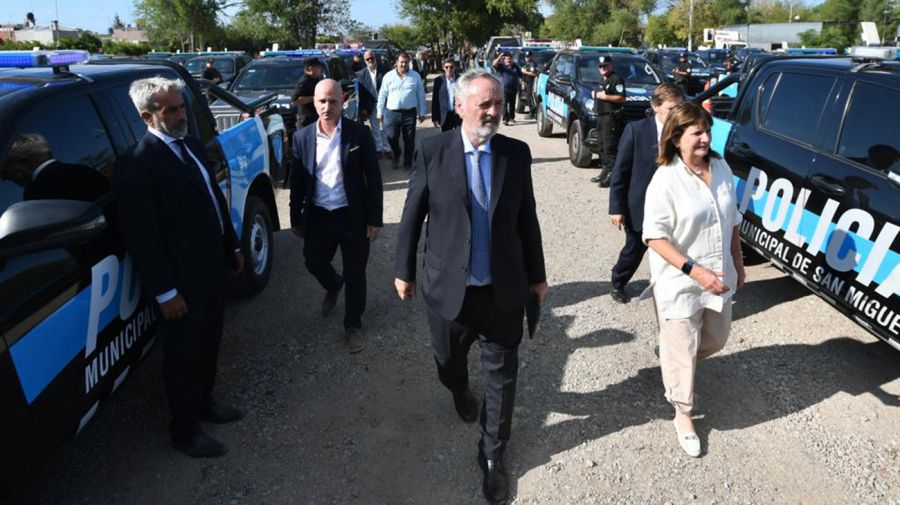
<point>544,126</point>
<point>579,154</point>
<point>256,246</point>
<point>520,106</point>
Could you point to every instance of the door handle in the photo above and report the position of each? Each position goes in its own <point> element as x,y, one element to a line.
<point>742,151</point>
<point>822,182</point>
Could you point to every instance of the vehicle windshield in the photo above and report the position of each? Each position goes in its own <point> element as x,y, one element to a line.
<point>270,76</point>
<point>197,65</point>
<point>671,61</point>
<point>714,57</point>
<point>540,57</point>
<point>633,70</point>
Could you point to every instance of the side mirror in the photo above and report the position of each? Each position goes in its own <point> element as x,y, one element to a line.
<point>41,225</point>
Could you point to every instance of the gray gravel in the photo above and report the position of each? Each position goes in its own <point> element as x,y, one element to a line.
<point>801,407</point>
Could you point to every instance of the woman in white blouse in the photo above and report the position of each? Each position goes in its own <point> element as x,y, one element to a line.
<point>691,227</point>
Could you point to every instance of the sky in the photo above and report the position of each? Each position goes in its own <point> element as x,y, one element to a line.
<point>97,15</point>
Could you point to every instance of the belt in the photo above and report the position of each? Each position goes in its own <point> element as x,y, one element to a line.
<point>411,109</point>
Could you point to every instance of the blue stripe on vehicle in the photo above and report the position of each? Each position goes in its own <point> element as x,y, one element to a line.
<point>245,149</point>
<point>45,351</point>
<point>808,223</point>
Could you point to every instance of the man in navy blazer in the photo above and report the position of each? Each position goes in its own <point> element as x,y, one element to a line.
<point>177,229</point>
<point>634,168</point>
<point>336,201</point>
<point>483,259</point>
<point>443,111</point>
<point>369,78</point>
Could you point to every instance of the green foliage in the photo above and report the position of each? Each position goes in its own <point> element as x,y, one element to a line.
<point>601,22</point>
<point>184,24</point>
<point>659,32</point>
<point>404,36</point>
<point>119,48</point>
<point>294,23</point>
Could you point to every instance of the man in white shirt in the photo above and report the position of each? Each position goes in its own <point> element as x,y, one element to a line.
<point>369,79</point>
<point>400,101</point>
<point>336,201</point>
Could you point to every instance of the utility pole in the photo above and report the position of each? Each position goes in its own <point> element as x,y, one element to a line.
<point>691,27</point>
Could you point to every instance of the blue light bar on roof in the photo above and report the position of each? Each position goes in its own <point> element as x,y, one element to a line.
<point>42,59</point>
<point>300,52</point>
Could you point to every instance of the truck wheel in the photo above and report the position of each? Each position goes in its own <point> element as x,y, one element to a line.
<point>579,154</point>
<point>544,126</point>
<point>257,247</point>
<point>520,106</point>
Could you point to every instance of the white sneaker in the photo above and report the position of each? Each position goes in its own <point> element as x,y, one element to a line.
<point>690,442</point>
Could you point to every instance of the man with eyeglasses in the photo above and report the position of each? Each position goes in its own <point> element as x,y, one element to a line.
<point>370,78</point>
<point>400,101</point>
<point>443,94</point>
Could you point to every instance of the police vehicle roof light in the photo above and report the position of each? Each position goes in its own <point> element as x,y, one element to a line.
<point>300,52</point>
<point>42,59</point>
<point>875,53</point>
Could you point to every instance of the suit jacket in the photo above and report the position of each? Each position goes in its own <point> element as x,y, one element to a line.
<point>440,102</point>
<point>67,181</point>
<point>169,221</point>
<point>633,170</point>
<point>438,189</point>
<point>368,93</point>
<point>359,167</point>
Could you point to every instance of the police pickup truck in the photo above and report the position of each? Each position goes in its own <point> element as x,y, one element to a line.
<point>73,318</point>
<point>815,151</point>
<point>564,90</point>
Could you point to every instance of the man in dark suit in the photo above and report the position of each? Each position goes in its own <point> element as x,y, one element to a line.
<point>31,164</point>
<point>483,259</point>
<point>634,168</point>
<point>336,201</point>
<point>176,226</point>
<point>369,78</point>
<point>443,112</point>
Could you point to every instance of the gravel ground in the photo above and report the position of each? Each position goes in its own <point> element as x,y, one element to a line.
<point>801,407</point>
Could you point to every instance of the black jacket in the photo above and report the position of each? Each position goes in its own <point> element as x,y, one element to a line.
<point>439,190</point>
<point>440,102</point>
<point>368,94</point>
<point>359,167</point>
<point>634,168</point>
<point>169,220</point>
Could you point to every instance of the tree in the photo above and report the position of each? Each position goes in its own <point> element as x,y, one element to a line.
<point>601,22</point>
<point>117,24</point>
<point>659,32</point>
<point>404,36</point>
<point>295,23</point>
<point>179,23</point>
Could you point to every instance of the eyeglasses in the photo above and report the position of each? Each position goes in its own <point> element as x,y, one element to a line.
<point>448,67</point>
<point>369,59</point>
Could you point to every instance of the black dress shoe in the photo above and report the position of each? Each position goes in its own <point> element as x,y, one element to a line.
<point>465,405</point>
<point>597,178</point>
<point>496,483</point>
<point>200,445</point>
<point>218,413</point>
<point>330,300</point>
<point>619,295</point>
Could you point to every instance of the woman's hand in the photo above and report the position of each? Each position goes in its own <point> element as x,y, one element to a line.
<point>739,267</point>
<point>709,280</point>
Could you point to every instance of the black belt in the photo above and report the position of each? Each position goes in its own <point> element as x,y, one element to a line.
<point>412,109</point>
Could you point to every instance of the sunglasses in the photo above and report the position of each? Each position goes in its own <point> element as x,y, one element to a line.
<point>369,59</point>
<point>448,66</point>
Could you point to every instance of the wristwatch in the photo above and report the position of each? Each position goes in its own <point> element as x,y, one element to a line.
<point>687,267</point>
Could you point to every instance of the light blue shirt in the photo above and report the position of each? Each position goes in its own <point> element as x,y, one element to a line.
<point>451,90</point>
<point>398,93</point>
<point>485,163</point>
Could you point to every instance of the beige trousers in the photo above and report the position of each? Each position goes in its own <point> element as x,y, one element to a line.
<point>684,342</point>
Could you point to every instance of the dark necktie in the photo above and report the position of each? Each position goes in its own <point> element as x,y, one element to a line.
<point>197,176</point>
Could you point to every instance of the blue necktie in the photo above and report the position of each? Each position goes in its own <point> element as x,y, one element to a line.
<point>480,251</point>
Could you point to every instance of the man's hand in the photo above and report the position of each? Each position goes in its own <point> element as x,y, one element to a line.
<point>238,263</point>
<point>709,280</point>
<point>405,290</point>
<point>372,232</point>
<point>298,231</point>
<point>379,117</point>
<point>421,119</point>
<point>618,220</point>
<point>539,290</point>
<point>600,95</point>
<point>174,308</point>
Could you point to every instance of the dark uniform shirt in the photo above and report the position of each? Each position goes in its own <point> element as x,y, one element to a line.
<point>509,75</point>
<point>683,67</point>
<point>210,73</point>
<point>306,86</point>
<point>612,84</point>
<point>530,66</point>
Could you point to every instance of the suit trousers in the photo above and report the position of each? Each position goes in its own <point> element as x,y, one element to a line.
<point>378,133</point>
<point>683,343</point>
<point>609,129</point>
<point>629,258</point>
<point>326,230</point>
<point>190,356</point>
<point>498,335</point>
<point>451,121</point>
<point>397,123</point>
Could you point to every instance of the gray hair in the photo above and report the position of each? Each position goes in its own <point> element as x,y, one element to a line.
<point>462,84</point>
<point>144,91</point>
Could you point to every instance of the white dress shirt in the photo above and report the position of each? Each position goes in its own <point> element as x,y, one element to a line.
<point>699,221</point>
<point>170,142</point>
<point>329,192</point>
<point>659,127</point>
<point>374,75</point>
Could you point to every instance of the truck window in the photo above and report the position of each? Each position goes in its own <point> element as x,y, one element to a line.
<point>797,103</point>
<point>870,134</point>
<point>135,123</point>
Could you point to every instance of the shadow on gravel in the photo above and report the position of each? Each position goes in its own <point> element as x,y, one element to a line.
<point>539,161</point>
<point>738,391</point>
<point>759,296</point>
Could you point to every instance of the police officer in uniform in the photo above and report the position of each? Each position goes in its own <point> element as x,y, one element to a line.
<point>608,100</point>
<point>682,72</point>
<point>529,73</point>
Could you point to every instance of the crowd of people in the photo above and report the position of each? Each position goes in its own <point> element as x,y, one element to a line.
<point>483,261</point>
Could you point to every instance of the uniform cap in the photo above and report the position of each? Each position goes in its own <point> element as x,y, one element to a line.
<point>604,60</point>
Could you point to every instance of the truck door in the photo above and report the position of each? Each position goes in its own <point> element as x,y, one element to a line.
<point>771,151</point>
<point>855,196</point>
<point>559,86</point>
